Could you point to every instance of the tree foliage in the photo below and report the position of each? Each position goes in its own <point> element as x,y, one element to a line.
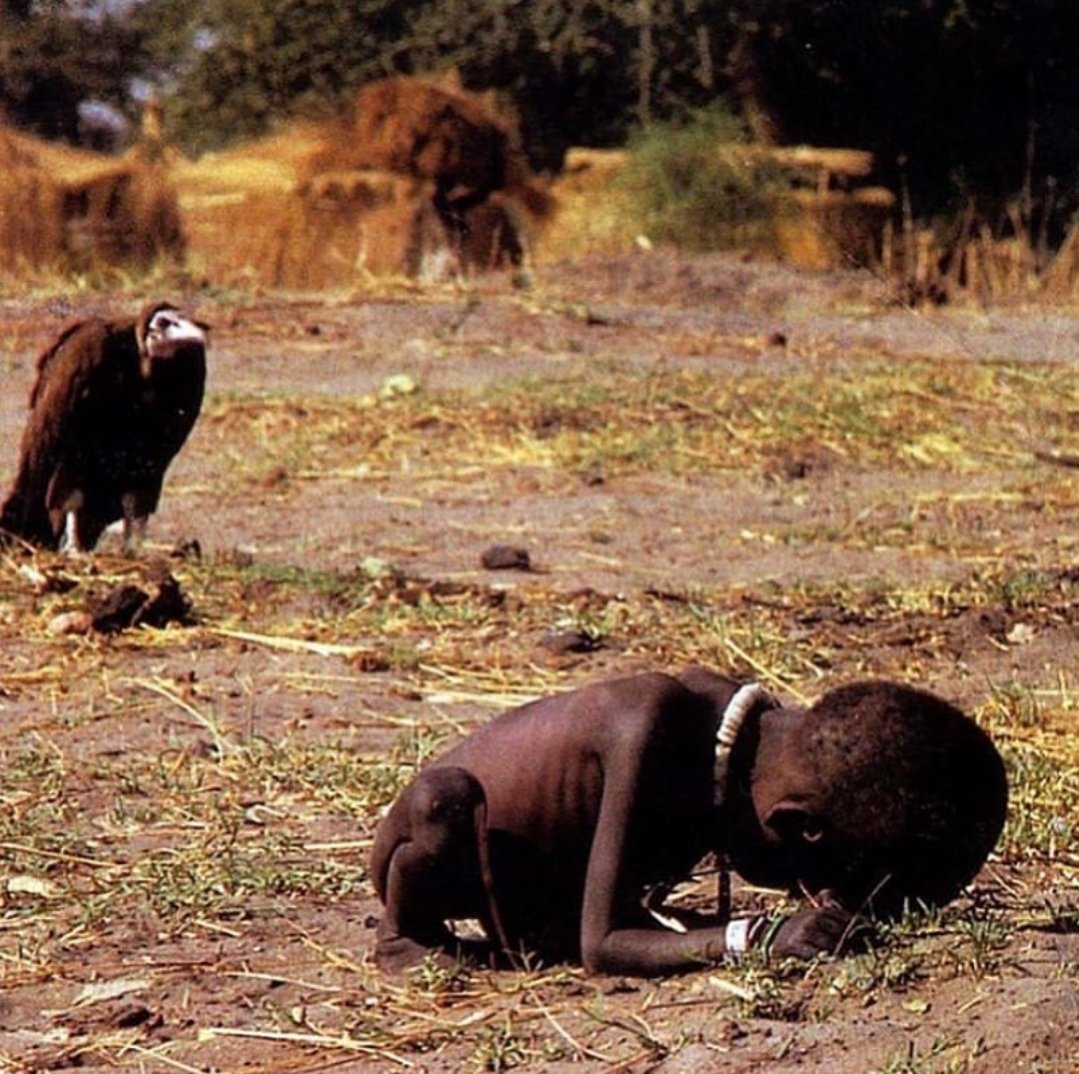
<point>51,60</point>
<point>957,97</point>
<point>693,191</point>
<point>585,72</point>
<point>231,67</point>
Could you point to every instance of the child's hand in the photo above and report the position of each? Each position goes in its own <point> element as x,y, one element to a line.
<point>828,928</point>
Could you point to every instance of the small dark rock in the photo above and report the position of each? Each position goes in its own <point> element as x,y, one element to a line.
<point>618,986</point>
<point>797,465</point>
<point>504,557</point>
<point>135,1014</point>
<point>795,469</point>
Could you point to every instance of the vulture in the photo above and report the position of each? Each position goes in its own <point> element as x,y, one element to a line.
<point>112,405</point>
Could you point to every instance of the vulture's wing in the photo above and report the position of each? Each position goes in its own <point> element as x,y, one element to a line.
<point>78,377</point>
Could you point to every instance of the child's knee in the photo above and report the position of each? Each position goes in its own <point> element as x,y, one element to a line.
<point>443,810</point>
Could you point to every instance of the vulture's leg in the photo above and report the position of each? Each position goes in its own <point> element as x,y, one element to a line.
<point>134,523</point>
<point>70,545</point>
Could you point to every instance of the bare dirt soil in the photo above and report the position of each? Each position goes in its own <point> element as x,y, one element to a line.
<point>777,472</point>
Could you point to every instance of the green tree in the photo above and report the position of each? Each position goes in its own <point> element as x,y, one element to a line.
<point>51,59</point>
<point>232,67</point>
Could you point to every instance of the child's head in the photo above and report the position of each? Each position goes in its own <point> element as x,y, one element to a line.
<point>878,791</point>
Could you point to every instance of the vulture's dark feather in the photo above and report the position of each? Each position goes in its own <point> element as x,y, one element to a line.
<point>112,405</point>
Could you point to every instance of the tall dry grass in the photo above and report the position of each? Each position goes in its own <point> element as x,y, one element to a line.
<point>1008,256</point>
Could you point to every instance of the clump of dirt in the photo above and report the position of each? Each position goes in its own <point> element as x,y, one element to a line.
<point>158,604</point>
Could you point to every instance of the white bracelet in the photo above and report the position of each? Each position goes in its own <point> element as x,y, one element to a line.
<point>737,935</point>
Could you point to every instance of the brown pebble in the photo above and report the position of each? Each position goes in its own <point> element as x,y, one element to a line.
<point>274,478</point>
<point>71,623</point>
<point>504,557</point>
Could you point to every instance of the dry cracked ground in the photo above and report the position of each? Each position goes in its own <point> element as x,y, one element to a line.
<point>778,473</point>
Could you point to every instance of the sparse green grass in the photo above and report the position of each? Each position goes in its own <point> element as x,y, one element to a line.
<point>901,414</point>
<point>1042,821</point>
<point>499,1048</point>
<point>941,1056</point>
<point>213,831</point>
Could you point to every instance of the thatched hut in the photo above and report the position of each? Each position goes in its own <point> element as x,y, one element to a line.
<point>262,213</point>
<point>70,210</point>
<point>31,221</point>
<point>415,180</point>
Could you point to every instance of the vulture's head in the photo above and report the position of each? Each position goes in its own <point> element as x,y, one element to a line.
<point>163,330</point>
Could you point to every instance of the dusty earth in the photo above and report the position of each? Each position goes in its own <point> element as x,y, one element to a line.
<point>777,472</point>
